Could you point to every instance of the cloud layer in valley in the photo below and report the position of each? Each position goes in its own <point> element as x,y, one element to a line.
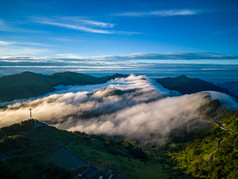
<point>131,107</point>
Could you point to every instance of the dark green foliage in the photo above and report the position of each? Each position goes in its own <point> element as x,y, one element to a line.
<point>189,150</point>
<point>24,85</point>
<point>129,158</point>
<point>28,84</point>
<point>16,136</point>
<point>16,129</point>
<point>194,158</point>
<point>230,120</point>
<point>115,146</point>
<point>13,142</point>
<point>187,85</point>
<point>5,173</point>
<point>31,167</point>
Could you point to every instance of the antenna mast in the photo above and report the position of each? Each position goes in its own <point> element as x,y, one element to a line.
<point>30,114</point>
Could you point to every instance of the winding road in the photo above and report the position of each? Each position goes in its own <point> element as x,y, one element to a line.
<point>219,141</point>
<point>8,155</point>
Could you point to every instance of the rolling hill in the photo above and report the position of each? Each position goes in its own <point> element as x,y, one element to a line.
<point>232,86</point>
<point>213,154</point>
<point>187,85</point>
<point>50,154</point>
<point>33,149</point>
<point>28,84</point>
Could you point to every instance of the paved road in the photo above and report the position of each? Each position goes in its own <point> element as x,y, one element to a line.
<point>221,126</point>
<point>8,155</point>
<point>219,141</point>
<point>37,134</point>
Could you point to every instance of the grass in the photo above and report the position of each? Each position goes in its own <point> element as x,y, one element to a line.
<point>63,158</point>
<point>94,151</point>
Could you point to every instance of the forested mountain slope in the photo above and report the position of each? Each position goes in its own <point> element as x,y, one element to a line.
<point>28,84</point>
<point>187,85</point>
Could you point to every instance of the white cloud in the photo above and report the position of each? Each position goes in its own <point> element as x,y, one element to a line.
<point>80,24</point>
<point>22,51</point>
<point>75,27</point>
<point>97,23</point>
<point>6,42</point>
<point>7,27</point>
<point>138,57</point>
<point>14,49</point>
<point>75,23</point>
<point>20,43</point>
<point>85,21</point>
<point>163,13</point>
<point>131,107</point>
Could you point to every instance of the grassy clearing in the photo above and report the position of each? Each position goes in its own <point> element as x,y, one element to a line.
<point>63,158</point>
<point>127,159</point>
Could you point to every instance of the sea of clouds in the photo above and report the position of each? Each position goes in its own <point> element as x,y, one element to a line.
<point>132,107</point>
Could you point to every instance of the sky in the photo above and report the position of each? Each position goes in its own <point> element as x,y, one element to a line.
<point>118,27</point>
<point>92,29</point>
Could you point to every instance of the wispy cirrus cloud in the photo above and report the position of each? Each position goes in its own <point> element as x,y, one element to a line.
<point>14,48</point>
<point>162,13</point>
<point>23,51</point>
<point>197,56</point>
<point>20,43</point>
<point>97,23</point>
<point>76,23</point>
<point>75,27</point>
<point>209,66</point>
<point>6,26</point>
<point>81,24</point>
<point>84,21</point>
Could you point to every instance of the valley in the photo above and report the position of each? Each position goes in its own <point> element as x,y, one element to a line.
<point>128,128</point>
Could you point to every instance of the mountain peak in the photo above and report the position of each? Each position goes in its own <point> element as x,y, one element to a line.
<point>182,76</point>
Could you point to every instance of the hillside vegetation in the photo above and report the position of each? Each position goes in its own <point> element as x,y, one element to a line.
<point>127,158</point>
<point>28,84</point>
<point>31,149</point>
<point>185,153</point>
<point>197,159</point>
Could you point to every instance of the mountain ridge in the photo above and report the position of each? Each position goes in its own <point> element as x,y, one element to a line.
<point>186,85</point>
<point>28,84</point>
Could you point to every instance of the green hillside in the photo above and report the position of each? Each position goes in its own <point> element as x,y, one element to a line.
<point>127,157</point>
<point>187,85</point>
<point>214,154</point>
<point>32,149</point>
<point>28,84</point>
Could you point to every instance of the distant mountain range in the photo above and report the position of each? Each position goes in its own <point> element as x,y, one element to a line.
<point>28,84</point>
<point>231,86</point>
<point>187,85</point>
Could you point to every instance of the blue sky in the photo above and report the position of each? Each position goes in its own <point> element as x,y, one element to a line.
<point>59,28</point>
<point>192,37</point>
